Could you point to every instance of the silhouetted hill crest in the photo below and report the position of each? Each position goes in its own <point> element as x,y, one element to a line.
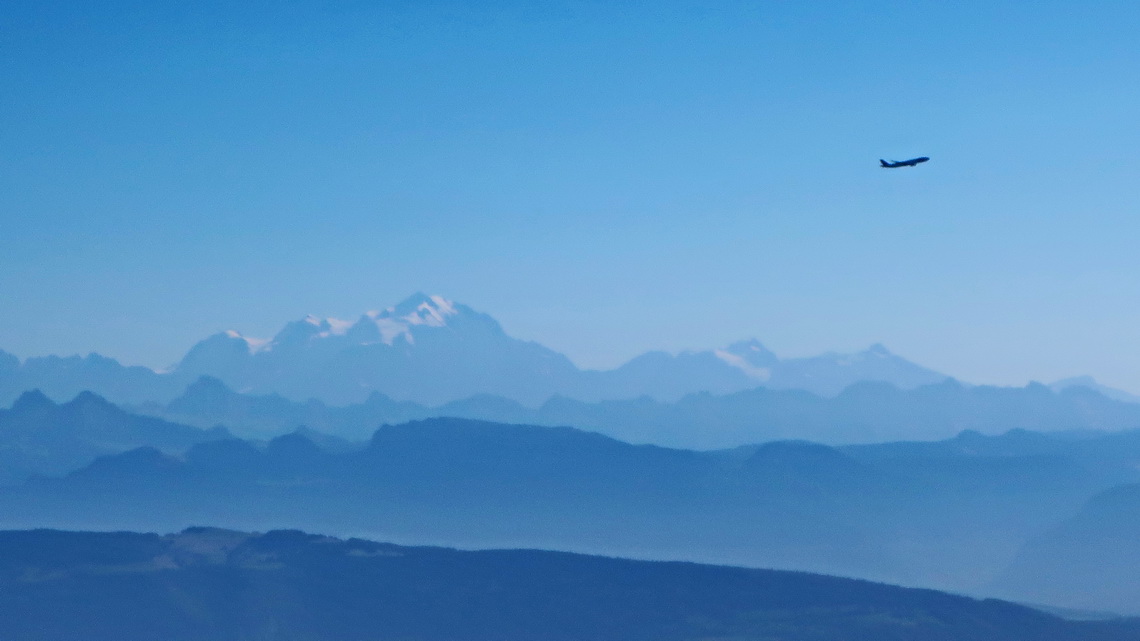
<point>140,463</point>
<point>224,585</point>
<point>41,438</point>
<point>33,401</point>
<point>864,412</point>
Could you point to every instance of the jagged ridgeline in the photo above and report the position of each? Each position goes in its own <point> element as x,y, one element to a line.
<point>217,585</point>
<point>863,412</point>
<point>429,356</point>
<point>431,350</point>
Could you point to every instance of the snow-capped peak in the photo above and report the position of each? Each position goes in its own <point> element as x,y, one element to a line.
<point>328,326</point>
<point>254,344</point>
<point>431,311</point>
<point>337,326</point>
<point>384,326</point>
<point>739,362</point>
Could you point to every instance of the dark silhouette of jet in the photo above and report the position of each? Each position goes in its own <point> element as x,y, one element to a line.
<point>895,164</point>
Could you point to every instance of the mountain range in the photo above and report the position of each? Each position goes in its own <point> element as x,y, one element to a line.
<point>427,424</point>
<point>41,438</point>
<point>951,514</point>
<point>219,585</point>
<point>430,350</point>
<point>862,413</point>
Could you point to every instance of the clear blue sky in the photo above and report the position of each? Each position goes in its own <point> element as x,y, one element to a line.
<point>604,178</point>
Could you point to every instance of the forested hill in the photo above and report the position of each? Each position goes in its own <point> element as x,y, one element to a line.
<point>219,585</point>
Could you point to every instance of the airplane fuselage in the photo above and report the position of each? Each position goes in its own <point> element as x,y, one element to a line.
<point>895,164</point>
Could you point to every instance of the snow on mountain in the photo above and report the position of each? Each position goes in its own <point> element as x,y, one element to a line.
<point>430,311</point>
<point>375,326</point>
<point>431,350</point>
<point>829,374</point>
<point>252,344</point>
<point>426,348</point>
<point>749,357</point>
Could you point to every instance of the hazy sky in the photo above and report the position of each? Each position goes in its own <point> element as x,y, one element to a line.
<point>604,178</point>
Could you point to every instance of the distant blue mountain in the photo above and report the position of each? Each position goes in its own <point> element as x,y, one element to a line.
<point>862,413</point>
<point>430,350</point>
<point>64,378</point>
<point>1091,560</point>
<point>39,437</point>
<point>1091,383</point>
<point>948,514</point>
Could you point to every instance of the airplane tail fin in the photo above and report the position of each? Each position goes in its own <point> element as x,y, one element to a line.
<point>883,163</point>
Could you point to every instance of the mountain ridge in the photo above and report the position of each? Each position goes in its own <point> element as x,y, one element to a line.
<point>222,585</point>
<point>40,437</point>
<point>864,412</point>
<point>948,514</point>
<point>432,350</point>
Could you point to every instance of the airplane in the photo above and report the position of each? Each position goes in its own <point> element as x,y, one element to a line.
<point>895,164</point>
